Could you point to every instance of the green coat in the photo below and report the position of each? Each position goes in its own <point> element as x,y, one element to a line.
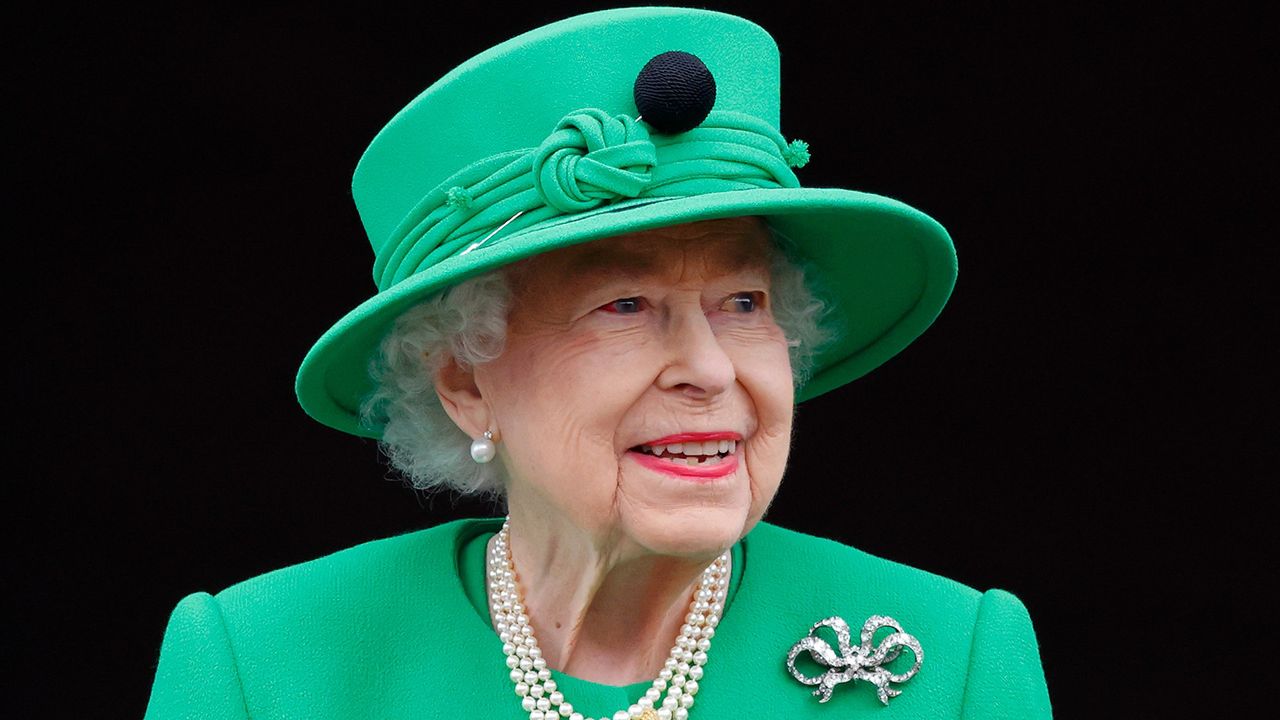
<point>399,628</point>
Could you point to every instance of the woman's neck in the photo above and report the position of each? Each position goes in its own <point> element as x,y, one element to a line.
<point>602,613</point>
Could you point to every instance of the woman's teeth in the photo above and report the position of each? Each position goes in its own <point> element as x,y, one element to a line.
<point>709,452</point>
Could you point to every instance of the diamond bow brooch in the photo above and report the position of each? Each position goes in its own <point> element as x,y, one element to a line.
<point>856,663</point>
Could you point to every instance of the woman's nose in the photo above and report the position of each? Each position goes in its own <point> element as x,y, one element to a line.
<point>698,364</point>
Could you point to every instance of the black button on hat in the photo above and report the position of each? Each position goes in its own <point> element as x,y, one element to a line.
<point>674,92</point>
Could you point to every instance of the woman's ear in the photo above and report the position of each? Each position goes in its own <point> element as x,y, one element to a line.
<point>455,384</point>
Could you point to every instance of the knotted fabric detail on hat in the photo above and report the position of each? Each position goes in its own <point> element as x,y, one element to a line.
<point>592,157</point>
<point>589,159</point>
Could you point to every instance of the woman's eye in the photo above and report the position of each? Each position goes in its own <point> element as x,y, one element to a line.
<point>623,306</point>
<point>744,302</point>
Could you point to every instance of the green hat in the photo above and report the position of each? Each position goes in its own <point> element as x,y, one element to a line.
<point>538,143</point>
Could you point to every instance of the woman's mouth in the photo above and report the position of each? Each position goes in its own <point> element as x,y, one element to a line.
<point>692,454</point>
<point>702,455</point>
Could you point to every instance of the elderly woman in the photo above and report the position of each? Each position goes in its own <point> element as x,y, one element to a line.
<point>605,326</point>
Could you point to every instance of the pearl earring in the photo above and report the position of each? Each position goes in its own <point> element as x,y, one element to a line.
<point>483,449</point>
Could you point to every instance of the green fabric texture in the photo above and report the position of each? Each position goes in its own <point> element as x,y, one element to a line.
<point>398,628</point>
<point>535,144</point>
<point>590,159</point>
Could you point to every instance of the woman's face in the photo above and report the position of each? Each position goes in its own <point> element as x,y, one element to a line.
<point>621,348</point>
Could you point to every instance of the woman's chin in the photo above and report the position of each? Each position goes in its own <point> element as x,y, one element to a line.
<point>702,532</point>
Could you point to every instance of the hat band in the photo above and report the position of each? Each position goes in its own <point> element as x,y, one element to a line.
<point>591,158</point>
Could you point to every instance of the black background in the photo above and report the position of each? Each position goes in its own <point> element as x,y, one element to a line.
<point>1086,425</point>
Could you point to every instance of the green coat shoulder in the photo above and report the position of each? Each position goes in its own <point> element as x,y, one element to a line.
<point>981,655</point>
<point>319,639</point>
<point>385,625</point>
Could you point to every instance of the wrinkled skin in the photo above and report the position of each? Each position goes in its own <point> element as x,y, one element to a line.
<point>612,344</point>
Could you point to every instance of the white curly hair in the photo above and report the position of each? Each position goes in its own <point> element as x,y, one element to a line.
<point>468,322</point>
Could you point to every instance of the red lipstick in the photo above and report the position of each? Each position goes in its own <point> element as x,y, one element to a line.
<point>695,437</point>
<point>702,472</point>
<point>705,473</point>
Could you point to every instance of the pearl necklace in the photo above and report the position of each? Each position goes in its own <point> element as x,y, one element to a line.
<point>538,693</point>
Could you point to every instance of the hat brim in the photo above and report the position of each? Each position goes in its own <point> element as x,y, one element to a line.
<point>885,268</point>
